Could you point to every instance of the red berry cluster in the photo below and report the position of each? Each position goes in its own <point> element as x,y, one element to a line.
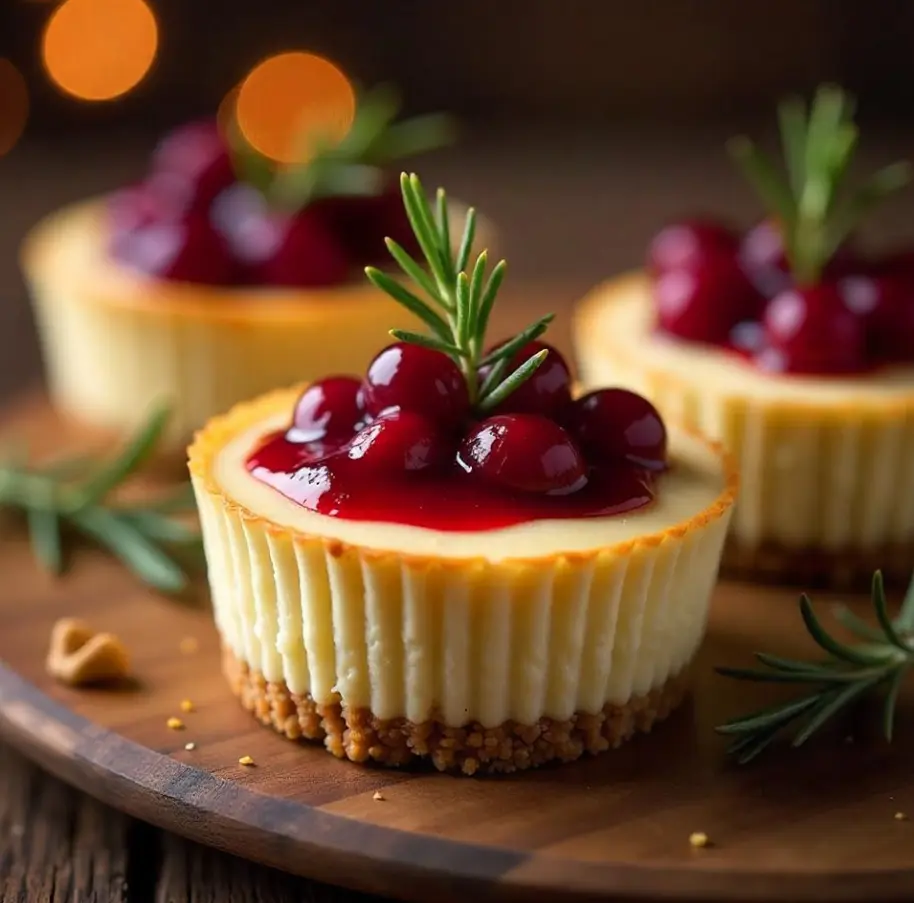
<point>715,286</point>
<point>412,413</point>
<point>192,219</point>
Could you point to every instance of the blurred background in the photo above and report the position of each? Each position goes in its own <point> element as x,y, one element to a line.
<point>586,123</point>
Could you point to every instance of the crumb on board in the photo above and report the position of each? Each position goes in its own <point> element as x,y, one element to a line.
<point>191,746</point>
<point>900,816</point>
<point>698,840</point>
<point>188,645</point>
<point>174,724</point>
<point>187,705</point>
<point>377,796</point>
<point>245,760</point>
<point>79,655</point>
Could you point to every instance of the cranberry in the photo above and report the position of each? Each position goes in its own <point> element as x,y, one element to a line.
<point>192,165</point>
<point>613,424</point>
<point>688,244</point>
<point>525,452</point>
<point>188,250</point>
<point>398,441</point>
<point>546,392</point>
<point>327,409</point>
<point>811,330</point>
<point>704,303</point>
<point>295,250</point>
<point>136,206</point>
<point>885,301</point>
<point>416,379</point>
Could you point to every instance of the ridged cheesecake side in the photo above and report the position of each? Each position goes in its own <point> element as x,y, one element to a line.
<point>827,484</point>
<point>479,665</point>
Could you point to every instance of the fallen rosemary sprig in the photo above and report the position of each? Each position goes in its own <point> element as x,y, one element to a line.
<point>72,495</point>
<point>880,661</point>
<point>354,166</point>
<point>813,207</point>
<point>464,297</point>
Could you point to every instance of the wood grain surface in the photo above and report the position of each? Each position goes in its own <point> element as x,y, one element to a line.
<point>810,824</point>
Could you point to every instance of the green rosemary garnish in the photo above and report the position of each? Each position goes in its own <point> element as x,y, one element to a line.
<point>464,297</point>
<point>879,661</point>
<point>812,206</point>
<point>72,495</point>
<point>354,166</point>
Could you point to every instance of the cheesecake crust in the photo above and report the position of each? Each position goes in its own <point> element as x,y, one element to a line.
<point>359,736</point>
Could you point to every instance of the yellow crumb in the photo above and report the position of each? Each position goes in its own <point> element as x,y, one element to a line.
<point>176,724</point>
<point>245,760</point>
<point>190,747</point>
<point>186,705</point>
<point>900,816</point>
<point>698,839</point>
<point>188,645</point>
<point>378,795</point>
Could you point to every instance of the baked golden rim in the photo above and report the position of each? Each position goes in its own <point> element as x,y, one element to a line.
<point>589,337</point>
<point>357,735</point>
<point>213,437</point>
<point>117,287</point>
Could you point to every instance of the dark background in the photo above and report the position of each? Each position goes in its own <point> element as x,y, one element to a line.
<point>586,122</point>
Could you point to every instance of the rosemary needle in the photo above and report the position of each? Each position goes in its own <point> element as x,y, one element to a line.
<point>72,496</point>
<point>879,661</point>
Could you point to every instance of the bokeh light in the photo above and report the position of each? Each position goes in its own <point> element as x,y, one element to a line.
<point>289,96</point>
<point>99,49</point>
<point>14,105</point>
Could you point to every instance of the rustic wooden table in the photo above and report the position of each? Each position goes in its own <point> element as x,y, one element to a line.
<point>573,207</point>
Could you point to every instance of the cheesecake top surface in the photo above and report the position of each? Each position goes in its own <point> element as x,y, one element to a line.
<point>619,315</point>
<point>699,487</point>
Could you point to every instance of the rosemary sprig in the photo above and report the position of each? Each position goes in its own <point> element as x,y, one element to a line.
<point>353,166</point>
<point>460,298</point>
<point>72,496</point>
<point>880,661</point>
<point>814,209</point>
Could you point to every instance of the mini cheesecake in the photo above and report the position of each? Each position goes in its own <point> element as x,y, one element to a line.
<point>484,650</point>
<point>452,558</point>
<point>793,347</point>
<point>193,289</point>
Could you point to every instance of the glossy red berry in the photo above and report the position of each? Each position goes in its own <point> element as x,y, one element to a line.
<point>136,206</point>
<point>688,244</point>
<point>296,251</point>
<point>191,165</point>
<point>398,442</point>
<point>811,330</point>
<point>761,254</point>
<point>525,452</point>
<point>546,392</point>
<point>327,409</point>
<point>703,304</point>
<point>885,302</point>
<point>416,379</point>
<point>188,250</point>
<point>616,424</point>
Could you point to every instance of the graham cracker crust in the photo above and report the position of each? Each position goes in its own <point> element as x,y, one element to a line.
<point>359,736</point>
<point>846,569</point>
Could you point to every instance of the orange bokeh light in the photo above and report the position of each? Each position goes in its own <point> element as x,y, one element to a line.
<point>289,96</point>
<point>100,49</point>
<point>14,105</point>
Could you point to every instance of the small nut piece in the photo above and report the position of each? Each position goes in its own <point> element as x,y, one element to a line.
<point>79,655</point>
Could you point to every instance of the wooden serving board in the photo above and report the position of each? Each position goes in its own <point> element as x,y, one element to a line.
<point>815,823</point>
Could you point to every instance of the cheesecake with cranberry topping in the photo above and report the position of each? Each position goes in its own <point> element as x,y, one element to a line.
<point>792,347</point>
<point>453,557</point>
<point>214,278</point>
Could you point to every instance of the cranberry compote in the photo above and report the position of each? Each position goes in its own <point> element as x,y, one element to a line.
<point>399,460</point>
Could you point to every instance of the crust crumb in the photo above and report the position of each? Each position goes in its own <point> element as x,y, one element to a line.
<point>699,840</point>
<point>79,655</point>
<point>378,796</point>
<point>187,705</point>
<point>175,724</point>
<point>900,816</point>
<point>190,747</point>
<point>246,760</point>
